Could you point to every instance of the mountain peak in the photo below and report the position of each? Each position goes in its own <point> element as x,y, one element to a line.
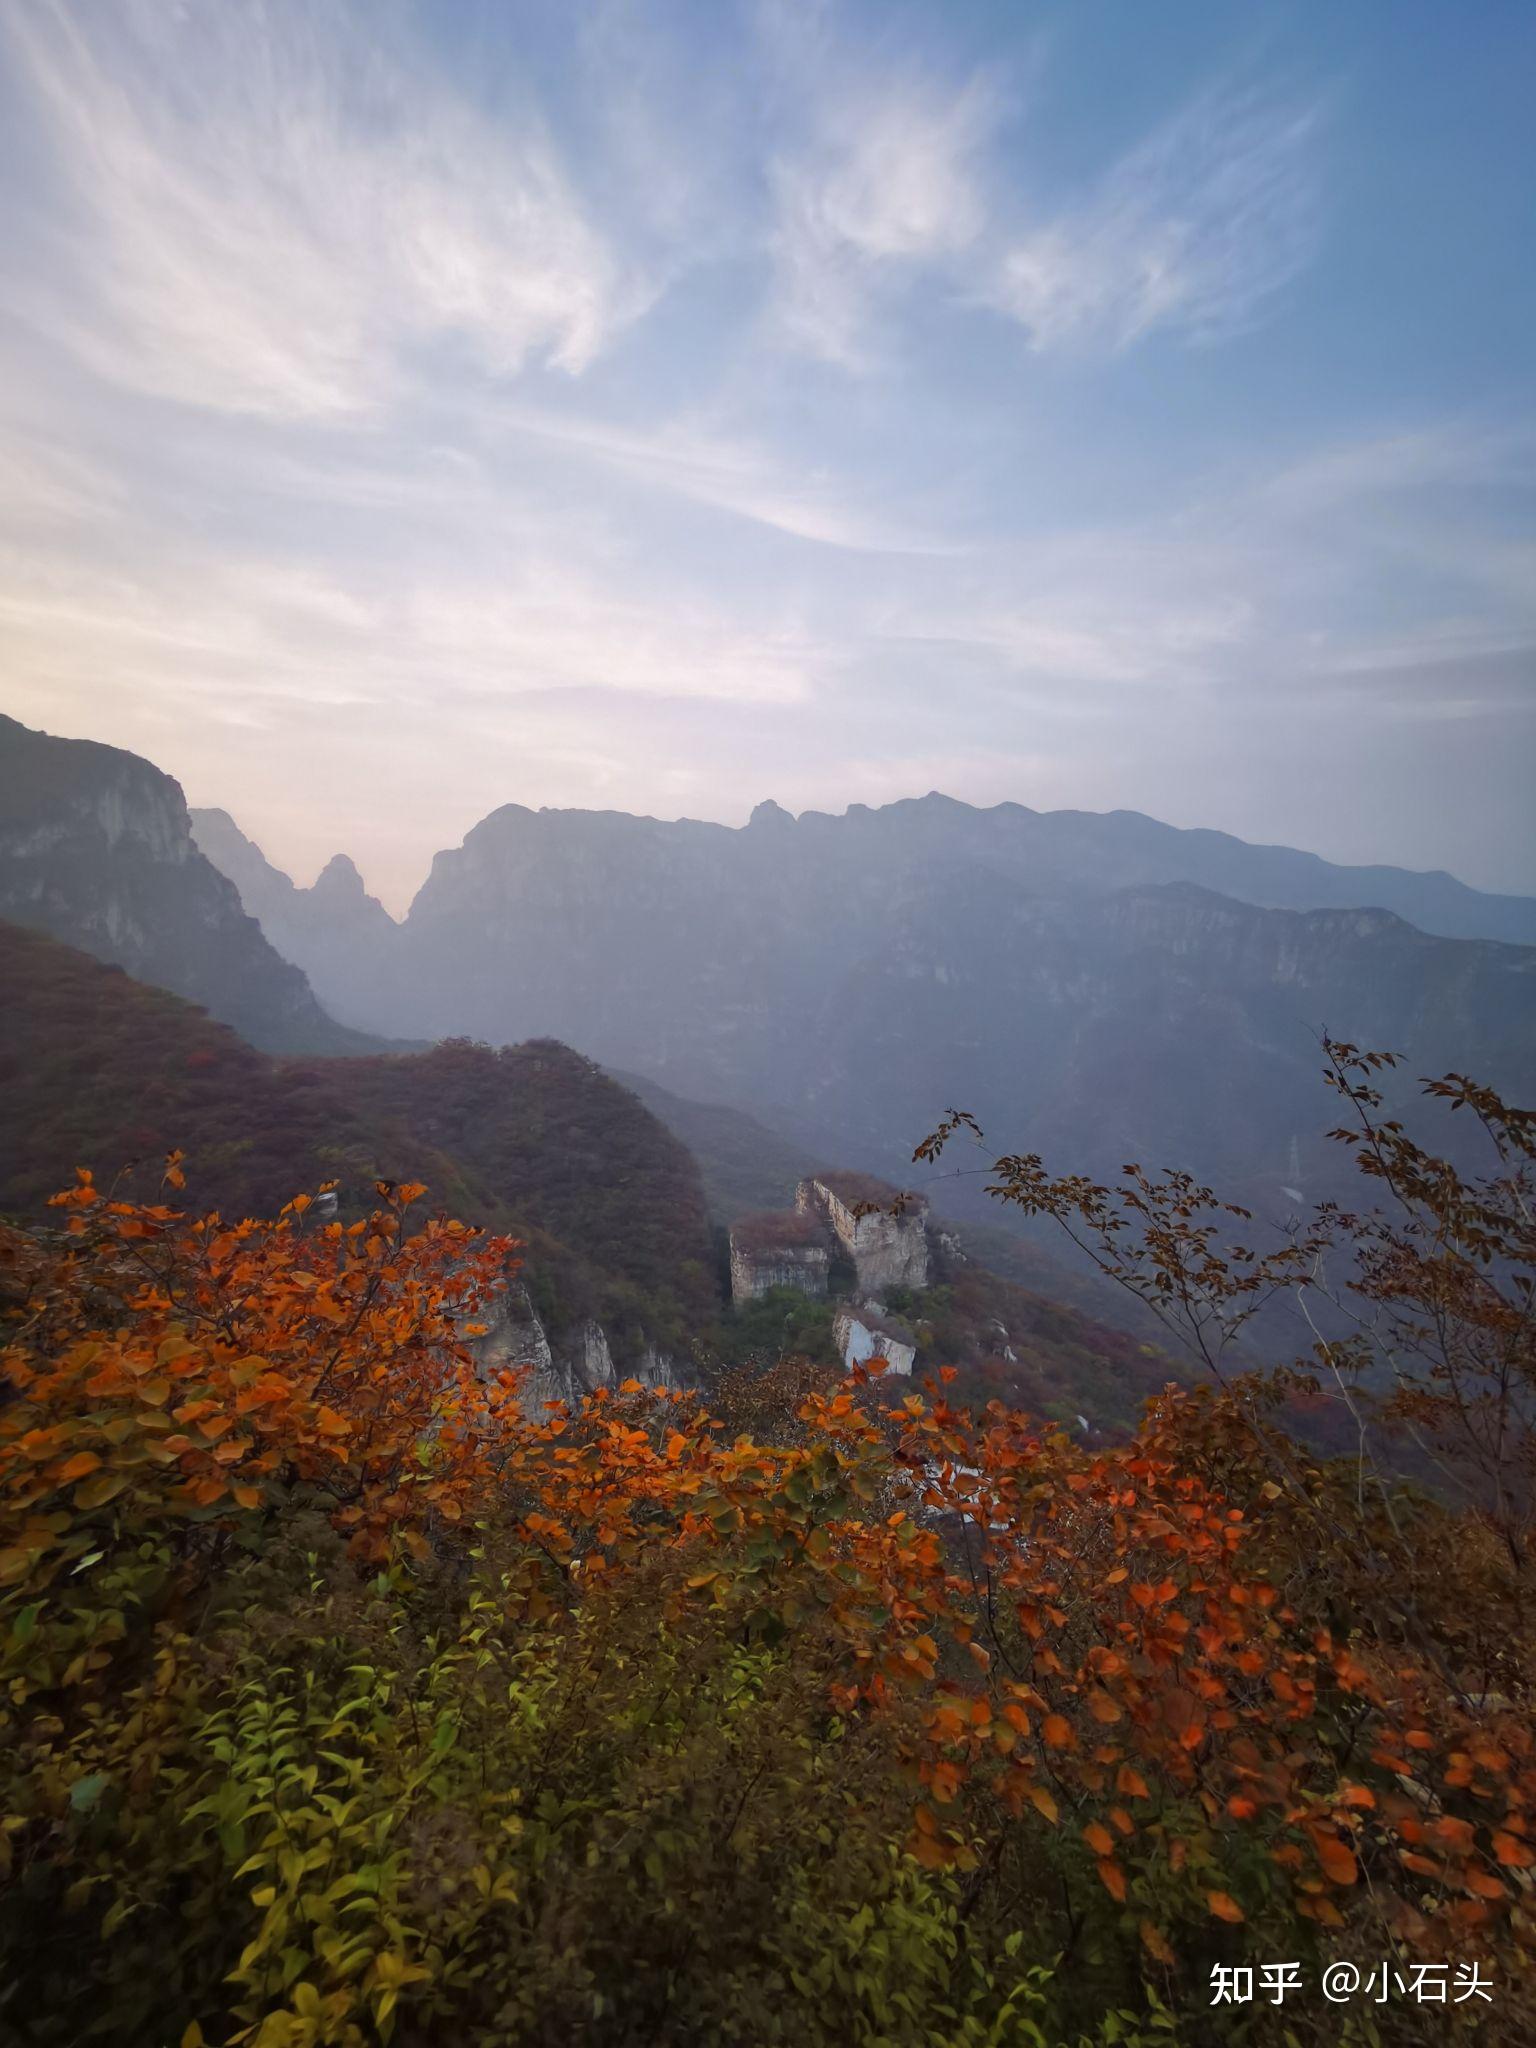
<point>339,878</point>
<point>771,814</point>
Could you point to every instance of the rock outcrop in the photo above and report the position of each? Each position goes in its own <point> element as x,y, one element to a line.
<point>865,1332</point>
<point>778,1248</point>
<point>882,1229</point>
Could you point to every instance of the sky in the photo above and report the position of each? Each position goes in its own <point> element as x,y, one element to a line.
<point>409,409</point>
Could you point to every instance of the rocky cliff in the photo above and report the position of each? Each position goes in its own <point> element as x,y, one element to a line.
<point>334,930</point>
<point>96,848</point>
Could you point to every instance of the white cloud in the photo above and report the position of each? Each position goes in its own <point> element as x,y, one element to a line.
<point>271,208</point>
<point>1192,232</point>
<point>888,183</point>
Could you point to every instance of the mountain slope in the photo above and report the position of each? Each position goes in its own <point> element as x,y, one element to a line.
<point>334,929</point>
<point>96,848</point>
<point>558,1140</point>
<point>98,1070</point>
<point>848,1002</point>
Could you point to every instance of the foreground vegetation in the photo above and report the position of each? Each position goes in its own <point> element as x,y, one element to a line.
<point>347,1703</point>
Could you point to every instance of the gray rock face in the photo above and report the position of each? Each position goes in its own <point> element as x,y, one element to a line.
<point>887,1249</point>
<point>515,1338</point>
<point>96,848</point>
<point>778,1250</point>
<point>862,1333</point>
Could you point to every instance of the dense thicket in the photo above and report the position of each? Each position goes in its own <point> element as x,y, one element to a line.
<point>344,1702</point>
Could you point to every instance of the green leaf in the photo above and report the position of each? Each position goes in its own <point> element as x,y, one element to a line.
<point>85,1792</point>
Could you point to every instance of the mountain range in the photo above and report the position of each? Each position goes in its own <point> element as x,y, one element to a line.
<point>1075,981</point>
<point>1097,988</point>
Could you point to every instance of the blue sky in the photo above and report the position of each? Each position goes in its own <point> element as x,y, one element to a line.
<point>408,409</point>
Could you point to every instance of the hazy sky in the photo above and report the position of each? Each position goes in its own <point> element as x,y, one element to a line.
<point>405,410</point>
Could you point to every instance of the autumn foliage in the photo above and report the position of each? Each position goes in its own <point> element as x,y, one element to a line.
<point>350,1701</point>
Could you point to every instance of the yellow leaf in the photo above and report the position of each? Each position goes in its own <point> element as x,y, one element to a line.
<point>1044,1804</point>
<point>98,1490</point>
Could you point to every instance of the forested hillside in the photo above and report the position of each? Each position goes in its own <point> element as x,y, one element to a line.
<point>101,1071</point>
<point>557,1140</point>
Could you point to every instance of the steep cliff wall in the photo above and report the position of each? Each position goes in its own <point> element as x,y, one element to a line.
<point>888,1249</point>
<point>96,848</point>
<point>778,1248</point>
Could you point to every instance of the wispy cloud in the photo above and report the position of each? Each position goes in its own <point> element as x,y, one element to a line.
<point>275,207</point>
<point>889,182</point>
<point>733,476</point>
<point>1192,233</point>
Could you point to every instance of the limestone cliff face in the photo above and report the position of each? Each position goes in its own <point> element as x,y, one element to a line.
<point>779,1248</point>
<point>863,1333</point>
<point>96,849</point>
<point>888,1249</point>
<point>579,1365</point>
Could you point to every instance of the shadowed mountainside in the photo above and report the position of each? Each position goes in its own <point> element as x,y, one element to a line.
<point>96,848</point>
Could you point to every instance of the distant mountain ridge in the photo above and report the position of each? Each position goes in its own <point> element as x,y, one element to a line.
<point>1072,979</point>
<point>96,848</point>
<point>334,924</point>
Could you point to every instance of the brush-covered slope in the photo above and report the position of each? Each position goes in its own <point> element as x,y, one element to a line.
<point>99,1070</point>
<point>554,1138</point>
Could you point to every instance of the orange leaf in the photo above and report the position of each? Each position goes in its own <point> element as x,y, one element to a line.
<point>1099,1839</point>
<point>1511,1851</point>
<point>1154,1943</point>
<point>1337,1860</point>
<point>1056,1732</point>
<point>1225,1907</point>
<point>1112,1877</point>
<point>78,1467</point>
